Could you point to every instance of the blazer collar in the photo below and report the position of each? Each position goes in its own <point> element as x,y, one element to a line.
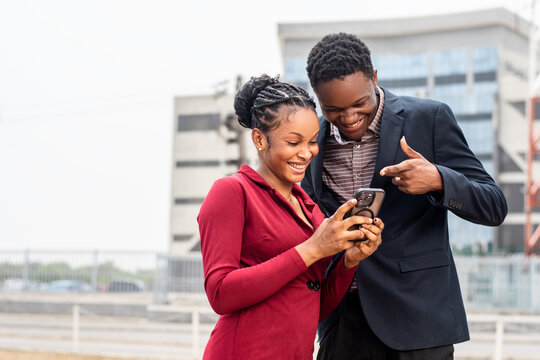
<point>317,162</point>
<point>391,132</point>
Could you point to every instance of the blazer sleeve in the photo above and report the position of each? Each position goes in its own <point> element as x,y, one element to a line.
<point>229,285</point>
<point>469,191</point>
<point>334,286</point>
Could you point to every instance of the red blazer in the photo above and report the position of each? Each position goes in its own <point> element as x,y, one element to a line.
<point>269,301</point>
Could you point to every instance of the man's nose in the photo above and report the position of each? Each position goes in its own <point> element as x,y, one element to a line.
<point>348,114</point>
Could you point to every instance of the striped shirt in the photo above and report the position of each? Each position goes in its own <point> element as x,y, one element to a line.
<point>349,165</point>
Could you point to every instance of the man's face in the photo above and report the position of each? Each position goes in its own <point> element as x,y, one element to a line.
<point>349,103</point>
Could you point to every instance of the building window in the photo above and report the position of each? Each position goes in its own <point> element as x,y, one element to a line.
<point>485,59</point>
<point>484,96</point>
<point>295,71</point>
<point>197,163</point>
<point>465,234</point>
<point>450,79</point>
<point>456,96</point>
<point>188,201</point>
<point>408,66</point>
<point>182,237</point>
<point>490,76</point>
<point>479,135</point>
<point>450,62</point>
<point>198,122</point>
<point>511,238</point>
<point>406,75</point>
<point>196,247</point>
<point>515,196</point>
<point>506,163</point>
<point>403,83</point>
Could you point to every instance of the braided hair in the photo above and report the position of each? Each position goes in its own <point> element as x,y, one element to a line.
<point>259,101</point>
<point>336,56</point>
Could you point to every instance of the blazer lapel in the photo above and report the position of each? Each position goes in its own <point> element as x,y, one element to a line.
<point>317,163</point>
<point>391,125</point>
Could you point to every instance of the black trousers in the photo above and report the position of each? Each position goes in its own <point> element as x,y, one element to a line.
<point>351,338</point>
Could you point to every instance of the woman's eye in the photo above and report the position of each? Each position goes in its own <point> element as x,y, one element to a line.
<point>292,143</point>
<point>314,142</point>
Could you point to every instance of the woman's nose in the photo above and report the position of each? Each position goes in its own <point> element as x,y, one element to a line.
<point>305,153</point>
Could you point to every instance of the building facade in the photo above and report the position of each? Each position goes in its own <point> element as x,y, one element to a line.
<point>205,147</point>
<point>477,63</point>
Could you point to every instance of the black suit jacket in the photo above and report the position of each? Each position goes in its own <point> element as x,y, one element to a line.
<point>409,288</point>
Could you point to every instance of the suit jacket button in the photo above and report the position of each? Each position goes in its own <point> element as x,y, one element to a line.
<point>310,285</point>
<point>316,286</point>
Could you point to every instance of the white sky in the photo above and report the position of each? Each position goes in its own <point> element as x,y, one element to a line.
<point>86,91</point>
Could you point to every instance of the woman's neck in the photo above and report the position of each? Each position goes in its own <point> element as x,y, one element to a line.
<point>284,188</point>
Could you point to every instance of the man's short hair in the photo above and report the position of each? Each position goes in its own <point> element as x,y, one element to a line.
<point>336,56</point>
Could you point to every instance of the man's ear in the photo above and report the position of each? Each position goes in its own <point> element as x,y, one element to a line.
<point>374,78</point>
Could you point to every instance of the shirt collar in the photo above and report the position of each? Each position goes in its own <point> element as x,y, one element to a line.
<point>254,176</point>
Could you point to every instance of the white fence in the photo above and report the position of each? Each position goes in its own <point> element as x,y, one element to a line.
<point>488,284</point>
<point>493,336</point>
<point>500,284</point>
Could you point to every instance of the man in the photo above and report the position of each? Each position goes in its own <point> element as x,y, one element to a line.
<point>405,301</point>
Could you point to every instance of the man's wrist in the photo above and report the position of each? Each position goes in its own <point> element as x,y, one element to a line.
<point>349,264</point>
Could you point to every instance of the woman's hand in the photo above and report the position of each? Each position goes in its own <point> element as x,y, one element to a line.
<point>363,249</point>
<point>333,236</point>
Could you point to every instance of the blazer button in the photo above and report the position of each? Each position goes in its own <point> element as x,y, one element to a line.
<point>310,285</point>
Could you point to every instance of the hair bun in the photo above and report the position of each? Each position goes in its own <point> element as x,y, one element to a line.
<point>245,97</point>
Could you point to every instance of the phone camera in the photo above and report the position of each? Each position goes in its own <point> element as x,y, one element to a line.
<point>365,199</point>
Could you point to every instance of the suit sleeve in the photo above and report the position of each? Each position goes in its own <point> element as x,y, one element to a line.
<point>469,191</point>
<point>334,286</point>
<point>228,285</point>
<point>307,186</point>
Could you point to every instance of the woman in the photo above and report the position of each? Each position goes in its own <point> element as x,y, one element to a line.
<point>266,245</point>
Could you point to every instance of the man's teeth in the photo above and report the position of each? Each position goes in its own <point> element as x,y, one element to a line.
<point>353,125</point>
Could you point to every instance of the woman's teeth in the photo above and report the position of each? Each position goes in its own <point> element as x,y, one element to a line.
<point>299,167</point>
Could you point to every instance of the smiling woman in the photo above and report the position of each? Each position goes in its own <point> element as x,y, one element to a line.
<point>264,242</point>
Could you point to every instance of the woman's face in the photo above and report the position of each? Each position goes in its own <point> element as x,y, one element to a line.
<point>288,149</point>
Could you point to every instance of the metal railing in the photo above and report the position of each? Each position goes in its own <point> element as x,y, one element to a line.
<point>495,343</point>
<point>500,284</point>
<point>488,284</point>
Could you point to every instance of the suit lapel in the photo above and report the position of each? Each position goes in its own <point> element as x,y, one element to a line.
<point>317,163</point>
<point>391,125</point>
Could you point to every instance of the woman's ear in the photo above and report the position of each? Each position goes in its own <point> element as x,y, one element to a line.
<point>258,138</point>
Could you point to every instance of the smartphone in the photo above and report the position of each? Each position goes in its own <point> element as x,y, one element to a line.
<point>369,202</point>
